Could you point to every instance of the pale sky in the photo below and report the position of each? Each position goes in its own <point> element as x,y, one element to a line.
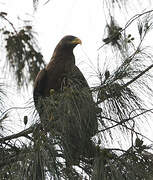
<point>82,18</point>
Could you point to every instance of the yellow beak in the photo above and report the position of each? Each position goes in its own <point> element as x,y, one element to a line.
<point>76,41</point>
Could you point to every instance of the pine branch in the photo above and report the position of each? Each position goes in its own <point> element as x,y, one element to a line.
<point>123,121</point>
<point>23,133</point>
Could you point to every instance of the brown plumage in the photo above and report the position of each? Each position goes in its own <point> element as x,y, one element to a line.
<point>60,72</point>
<point>62,63</point>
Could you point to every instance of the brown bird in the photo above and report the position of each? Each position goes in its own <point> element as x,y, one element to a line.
<point>77,109</point>
<point>62,63</point>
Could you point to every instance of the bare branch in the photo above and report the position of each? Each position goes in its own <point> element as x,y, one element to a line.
<point>23,133</point>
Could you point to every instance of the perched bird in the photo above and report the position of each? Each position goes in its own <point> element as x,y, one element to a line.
<point>75,107</point>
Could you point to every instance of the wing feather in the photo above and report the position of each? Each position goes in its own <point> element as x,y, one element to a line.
<point>39,85</point>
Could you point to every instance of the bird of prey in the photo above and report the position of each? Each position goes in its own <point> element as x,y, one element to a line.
<point>75,114</point>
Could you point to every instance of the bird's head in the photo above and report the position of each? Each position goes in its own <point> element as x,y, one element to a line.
<point>69,42</point>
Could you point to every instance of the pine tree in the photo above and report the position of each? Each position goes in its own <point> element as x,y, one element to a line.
<point>121,98</point>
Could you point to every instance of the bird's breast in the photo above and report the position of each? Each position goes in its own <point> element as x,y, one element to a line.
<point>55,74</point>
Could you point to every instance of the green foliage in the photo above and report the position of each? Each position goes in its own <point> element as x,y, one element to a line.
<point>114,33</point>
<point>22,55</point>
<point>69,120</point>
<point>132,164</point>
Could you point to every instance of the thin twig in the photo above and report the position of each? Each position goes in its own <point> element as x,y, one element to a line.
<point>123,121</point>
<point>135,78</point>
